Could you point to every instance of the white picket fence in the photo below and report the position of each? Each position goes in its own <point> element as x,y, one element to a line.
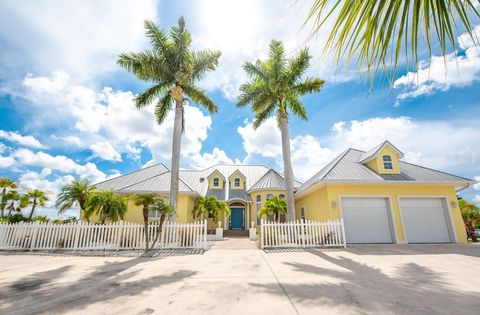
<point>302,234</point>
<point>110,236</point>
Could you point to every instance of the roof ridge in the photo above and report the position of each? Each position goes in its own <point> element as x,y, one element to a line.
<point>340,157</point>
<point>431,169</point>
<point>266,173</point>
<point>132,172</point>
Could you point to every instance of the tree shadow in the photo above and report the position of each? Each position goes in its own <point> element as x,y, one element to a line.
<point>42,293</point>
<point>361,288</point>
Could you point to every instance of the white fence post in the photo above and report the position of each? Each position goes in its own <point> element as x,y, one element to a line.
<point>262,243</point>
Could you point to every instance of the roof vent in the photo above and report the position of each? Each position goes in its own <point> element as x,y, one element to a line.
<point>202,179</point>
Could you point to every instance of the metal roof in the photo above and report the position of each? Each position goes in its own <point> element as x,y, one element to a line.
<point>371,154</point>
<point>271,180</point>
<point>122,181</point>
<point>347,167</point>
<point>156,184</point>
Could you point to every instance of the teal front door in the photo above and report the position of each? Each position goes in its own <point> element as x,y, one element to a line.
<point>236,219</point>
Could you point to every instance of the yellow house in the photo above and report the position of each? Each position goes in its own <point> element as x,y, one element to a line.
<point>380,198</point>
<point>383,199</point>
<point>244,188</point>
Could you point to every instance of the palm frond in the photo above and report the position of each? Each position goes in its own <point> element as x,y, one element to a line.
<point>146,66</point>
<point>181,39</point>
<point>277,59</point>
<point>200,97</point>
<point>255,70</point>
<point>203,62</point>
<point>310,85</point>
<point>162,107</point>
<point>296,106</point>
<point>260,117</point>
<point>146,97</point>
<point>297,66</point>
<point>377,32</point>
<point>160,42</point>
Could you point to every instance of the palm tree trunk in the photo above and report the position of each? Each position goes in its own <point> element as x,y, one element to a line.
<point>145,222</point>
<point>159,229</point>
<point>287,166</point>
<point>33,210</point>
<point>176,145</point>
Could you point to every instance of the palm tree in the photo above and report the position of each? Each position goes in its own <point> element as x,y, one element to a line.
<point>377,31</point>
<point>209,206</point>
<point>273,207</point>
<point>17,202</point>
<point>35,198</point>
<point>75,193</point>
<point>6,185</point>
<point>145,200</point>
<point>471,217</point>
<point>107,205</point>
<point>275,87</point>
<point>164,209</point>
<point>173,70</point>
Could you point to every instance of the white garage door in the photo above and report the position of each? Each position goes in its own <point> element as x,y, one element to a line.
<point>425,220</point>
<point>366,220</point>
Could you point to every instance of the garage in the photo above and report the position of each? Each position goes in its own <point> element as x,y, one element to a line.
<point>426,220</point>
<point>367,220</point>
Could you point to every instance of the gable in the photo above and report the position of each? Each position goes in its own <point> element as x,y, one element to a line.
<point>216,180</point>
<point>237,177</point>
<point>385,161</point>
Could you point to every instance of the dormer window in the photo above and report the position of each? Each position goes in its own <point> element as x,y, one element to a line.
<point>237,182</point>
<point>216,182</point>
<point>387,162</point>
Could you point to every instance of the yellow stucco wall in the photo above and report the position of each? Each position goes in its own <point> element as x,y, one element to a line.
<point>318,204</point>
<point>377,163</point>
<point>263,194</point>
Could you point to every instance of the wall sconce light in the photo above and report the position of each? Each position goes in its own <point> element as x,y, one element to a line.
<point>453,204</point>
<point>334,204</point>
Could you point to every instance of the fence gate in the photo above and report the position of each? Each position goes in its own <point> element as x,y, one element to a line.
<point>110,236</point>
<point>302,234</point>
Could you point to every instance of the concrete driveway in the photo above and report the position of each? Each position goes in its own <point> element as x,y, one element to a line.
<point>394,279</point>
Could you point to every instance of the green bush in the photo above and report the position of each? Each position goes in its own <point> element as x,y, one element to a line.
<point>40,218</point>
<point>16,218</point>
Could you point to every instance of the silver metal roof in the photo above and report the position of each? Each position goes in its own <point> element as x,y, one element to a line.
<point>156,184</point>
<point>373,152</point>
<point>122,181</point>
<point>271,180</point>
<point>348,167</point>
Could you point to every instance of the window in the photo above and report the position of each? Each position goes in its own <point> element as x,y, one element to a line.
<point>387,162</point>
<point>269,196</point>
<point>153,215</point>
<point>302,213</point>
<point>258,206</point>
<point>237,182</point>
<point>216,182</point>
<point>281,196</point>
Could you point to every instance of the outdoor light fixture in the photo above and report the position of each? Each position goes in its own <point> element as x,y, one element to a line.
<point>334,205</point>
<point>453,204</point>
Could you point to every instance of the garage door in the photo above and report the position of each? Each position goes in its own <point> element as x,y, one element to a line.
<point>366,220</point>
<point>425,220</point>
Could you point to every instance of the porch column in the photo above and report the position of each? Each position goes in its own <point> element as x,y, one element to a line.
<point>247,209</point>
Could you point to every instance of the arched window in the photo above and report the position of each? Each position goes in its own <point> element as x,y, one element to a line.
<point>281,196</point>
<point>237,182</point>
<point>269,196</point>
<point>302,213</point>
<point>259,198</point>
<point>387,162</point>
<point>216,182</point>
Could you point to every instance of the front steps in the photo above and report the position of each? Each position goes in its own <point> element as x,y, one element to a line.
<point>235,233</point>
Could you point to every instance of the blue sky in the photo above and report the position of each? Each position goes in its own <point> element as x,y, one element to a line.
<point>67,111</point>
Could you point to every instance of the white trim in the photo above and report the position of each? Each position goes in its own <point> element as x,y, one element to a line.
<point>448,209</point>
<point>389,209</point>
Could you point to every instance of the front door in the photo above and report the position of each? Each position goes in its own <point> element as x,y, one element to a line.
<point>237,221</point>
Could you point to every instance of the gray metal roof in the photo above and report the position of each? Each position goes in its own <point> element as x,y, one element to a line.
<point>156,184</point>
<point>271,180</point>
<point>348,167</point>
<point>122,181</point>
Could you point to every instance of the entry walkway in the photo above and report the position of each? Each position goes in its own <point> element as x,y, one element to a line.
<point>233,243</point>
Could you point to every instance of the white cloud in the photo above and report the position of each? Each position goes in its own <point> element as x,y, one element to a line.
<point>265,140</point>
<point>70,140</point>
<point>61,163</point>
<point>6,161</point>
<point>82,37</point>
<point>455,70</point>
<point>105,151</point>
<point>205,160</point>
<point>12,136</point>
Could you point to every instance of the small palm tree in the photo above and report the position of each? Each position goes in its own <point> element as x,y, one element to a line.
<point>146,200</point>
<point>209,206</point>
<point>273,207</point>
<point>6,185</point>
<point>35,198</point>
<point>164,209</point>
<point>173,69</point>
<point>73,194</point>
<point>106,205</point>
<point>377,32</point>
<point>17,202</point>
<point>471,217</point>
<point>275,87</point>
